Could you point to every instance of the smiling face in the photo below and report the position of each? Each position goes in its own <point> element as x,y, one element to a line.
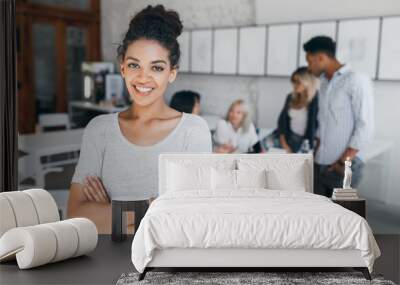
<point>147,71</point>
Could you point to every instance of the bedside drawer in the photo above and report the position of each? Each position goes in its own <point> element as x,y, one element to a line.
<point>357,206</point>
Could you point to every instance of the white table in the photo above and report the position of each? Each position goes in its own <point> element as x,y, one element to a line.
<point>75,106</point>
<point>40,145</point>
<point>104,108</point>
<point>38,141</point>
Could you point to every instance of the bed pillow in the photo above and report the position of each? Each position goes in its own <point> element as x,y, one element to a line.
<point>183,177</point>
<point>251,178</point>
<point>293,180</point>
<point>282,174</point>
<point>193,173</point>
<point>223,179</point>
<point>227,179</point>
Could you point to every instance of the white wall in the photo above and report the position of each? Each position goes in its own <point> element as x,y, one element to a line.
<point>267,93</point>
<point>116,14</point>
<point>274,11</point>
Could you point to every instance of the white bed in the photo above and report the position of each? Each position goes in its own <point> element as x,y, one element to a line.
<point>202,220</point>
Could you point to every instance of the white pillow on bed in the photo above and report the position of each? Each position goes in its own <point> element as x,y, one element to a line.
<point>237,179</point>
<point>281,174</point>
<point>251,178</point>
<point>293,180</point>
<point>193,174</point>
<point>183,177</point>
<point>223,179</point>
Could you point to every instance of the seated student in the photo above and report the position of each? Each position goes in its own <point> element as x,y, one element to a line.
<point>298,118</point>
<point>236,133</point>
<point>119,153</point>
<point>186,101</point>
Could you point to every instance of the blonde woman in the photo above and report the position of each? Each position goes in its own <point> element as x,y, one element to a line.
<point>236,134</point>
<point>298,118</point>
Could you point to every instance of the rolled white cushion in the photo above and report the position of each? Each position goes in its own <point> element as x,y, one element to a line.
<point>33,246</point>
<point>67,240</point>
<point>40,244</point>
<point>23,208</point>
<point>87,234</point>
<point>46,207</point>
<point>7,218</point>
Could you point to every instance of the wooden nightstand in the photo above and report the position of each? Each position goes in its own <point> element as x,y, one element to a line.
<point>358,206</point>
<point>119,205</point>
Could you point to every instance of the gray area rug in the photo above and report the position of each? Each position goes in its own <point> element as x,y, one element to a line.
<point>228,278</point>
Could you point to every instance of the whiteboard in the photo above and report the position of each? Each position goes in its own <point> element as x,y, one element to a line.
<point>184,44</point>
<point>201,55</point>
<point>389,62</point>
<point>357,44</point>
<point>252,42</point>
<point>225,51</point>
<point>282,49</point>
<point>310,30</point>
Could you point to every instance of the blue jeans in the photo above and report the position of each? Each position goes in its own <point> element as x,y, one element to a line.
<point>294,141</point>
<point>325,180</point>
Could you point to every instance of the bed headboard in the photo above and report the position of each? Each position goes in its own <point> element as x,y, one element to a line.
<point>213,158</point>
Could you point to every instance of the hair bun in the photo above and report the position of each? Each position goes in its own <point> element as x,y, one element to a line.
<point>155,23</point>
<point>157,16</point>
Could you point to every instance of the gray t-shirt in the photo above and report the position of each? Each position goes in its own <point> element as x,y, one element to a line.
<point>129,170</point>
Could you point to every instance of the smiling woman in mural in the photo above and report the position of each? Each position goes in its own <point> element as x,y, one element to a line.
<point>119,154</point>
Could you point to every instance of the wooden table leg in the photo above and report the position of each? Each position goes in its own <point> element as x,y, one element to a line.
<point>117,210</point>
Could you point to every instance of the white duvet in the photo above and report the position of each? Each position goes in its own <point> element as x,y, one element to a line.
<point>251,218</point>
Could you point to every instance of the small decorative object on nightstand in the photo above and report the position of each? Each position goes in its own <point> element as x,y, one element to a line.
<point>347,197</point>
<point>346,193</point>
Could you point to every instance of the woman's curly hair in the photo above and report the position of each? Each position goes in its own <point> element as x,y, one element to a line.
<point>155,23</point>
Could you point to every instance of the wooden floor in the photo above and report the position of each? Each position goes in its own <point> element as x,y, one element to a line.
<point>110,260</point>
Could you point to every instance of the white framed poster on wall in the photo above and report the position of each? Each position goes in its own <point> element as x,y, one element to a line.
<point>282,49</point>
<point>225,51</point>
<point>389,60</point>
<point>252,41</point>
<point>201,51</point>
<point>184,44</point>
<point>310,30</point>
<point>357,44</point>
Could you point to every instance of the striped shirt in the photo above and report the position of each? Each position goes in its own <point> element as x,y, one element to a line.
<point>346,115</point>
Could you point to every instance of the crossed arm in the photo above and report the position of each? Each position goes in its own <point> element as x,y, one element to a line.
<point>90,200</point>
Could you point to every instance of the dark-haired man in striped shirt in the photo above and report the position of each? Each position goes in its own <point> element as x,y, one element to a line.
<point>345,118</point>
